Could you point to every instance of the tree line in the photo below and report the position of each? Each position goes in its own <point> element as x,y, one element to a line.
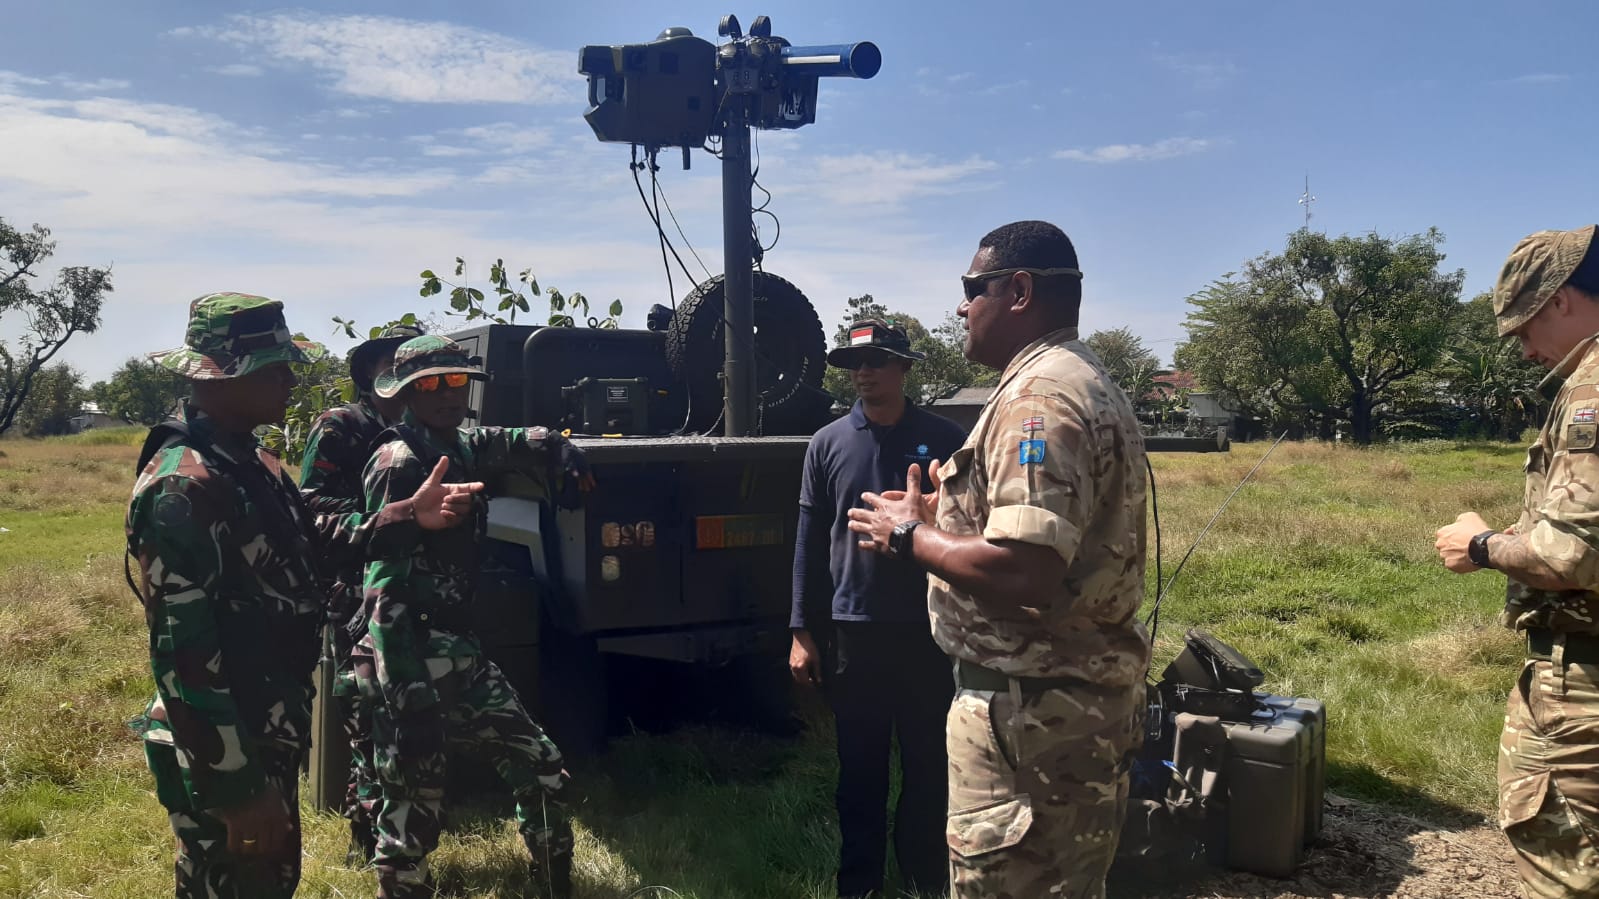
<point>1364,336</point>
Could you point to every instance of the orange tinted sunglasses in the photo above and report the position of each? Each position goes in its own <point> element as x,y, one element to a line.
<point>430,383</point>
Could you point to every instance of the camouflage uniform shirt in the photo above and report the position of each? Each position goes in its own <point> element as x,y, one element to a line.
<point>1055,459</point>
<point>336,452</point>
<point>1560,510</point>
<point>234,606</point>
<point>418,595</point>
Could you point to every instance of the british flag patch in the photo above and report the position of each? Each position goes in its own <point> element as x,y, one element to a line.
<point>1583,416</point>
<point>1035,423</point>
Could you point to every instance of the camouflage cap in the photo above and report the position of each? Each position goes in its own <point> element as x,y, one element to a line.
<point>1538,266</point>
<point>873,334</point>
<point>423,356</point>
<point>231,335</point>
<point>365,352</point>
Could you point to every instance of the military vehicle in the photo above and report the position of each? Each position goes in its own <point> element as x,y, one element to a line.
<point>696,427</point>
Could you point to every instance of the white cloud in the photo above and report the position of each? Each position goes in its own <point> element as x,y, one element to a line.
<point>404,60</point>
<point>1205,72</point>
<point>97,85</point>
<point>1536,78</point>
<point>1170,148</point>
<point>886,179</point>
<point>239,70</point>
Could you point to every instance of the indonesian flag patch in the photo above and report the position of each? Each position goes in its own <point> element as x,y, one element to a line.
<point>860,336</point>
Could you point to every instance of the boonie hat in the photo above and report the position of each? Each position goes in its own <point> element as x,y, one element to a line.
<point>1539,265</point>
<point>423,356</point>
<point>362,355</point>
<point>869,334</point>
<point>231,335</point>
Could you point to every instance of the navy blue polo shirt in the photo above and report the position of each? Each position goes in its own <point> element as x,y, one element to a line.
<point>846,458</point>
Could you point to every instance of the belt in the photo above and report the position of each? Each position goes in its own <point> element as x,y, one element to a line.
<point>1580,649</point>
<point>972,676</point>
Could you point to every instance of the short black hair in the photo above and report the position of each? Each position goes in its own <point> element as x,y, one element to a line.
<point>1585,277</point>
<point>1035,244</point>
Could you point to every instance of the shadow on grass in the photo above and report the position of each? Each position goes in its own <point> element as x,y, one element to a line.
<point>1362,782</point>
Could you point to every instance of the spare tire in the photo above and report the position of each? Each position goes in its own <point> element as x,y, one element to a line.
<point>790,355</point>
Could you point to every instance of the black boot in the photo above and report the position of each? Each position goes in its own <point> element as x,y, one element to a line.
<point>554,880</point>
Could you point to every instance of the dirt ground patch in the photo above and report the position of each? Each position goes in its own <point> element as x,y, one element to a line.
<point>1366,851</point>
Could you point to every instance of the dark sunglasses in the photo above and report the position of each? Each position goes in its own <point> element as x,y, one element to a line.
<point>976,285</point>
<point>870,360</point>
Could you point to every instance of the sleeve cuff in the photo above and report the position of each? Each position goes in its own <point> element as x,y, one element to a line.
<point>1568,555</point>
<point>395,531</point>
<point>1035,525</point>
<point>221,789</point>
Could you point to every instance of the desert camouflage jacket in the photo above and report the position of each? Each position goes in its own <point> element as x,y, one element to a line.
<point>336,452</point>
<point>1560,508</point>
<point>1055,459</point>
<point>418,596</point>
<point>233,604</point>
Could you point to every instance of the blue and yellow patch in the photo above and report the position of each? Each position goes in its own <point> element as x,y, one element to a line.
<point>1032,452</point>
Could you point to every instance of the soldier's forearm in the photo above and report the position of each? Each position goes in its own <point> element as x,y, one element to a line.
<point>1511,554</point>
<point>1021,573</point>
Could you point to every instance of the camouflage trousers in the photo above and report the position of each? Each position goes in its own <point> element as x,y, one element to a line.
<point>479,712</point>
<point>1549,779</point>
<point>204,868</point>
<point>1038,789</point>
<point>361,793</point>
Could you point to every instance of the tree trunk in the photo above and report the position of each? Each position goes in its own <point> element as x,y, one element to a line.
<point>1360,419</point>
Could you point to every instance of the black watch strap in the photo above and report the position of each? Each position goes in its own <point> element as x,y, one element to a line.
<point>899,540</point>
<point>1477,550</point>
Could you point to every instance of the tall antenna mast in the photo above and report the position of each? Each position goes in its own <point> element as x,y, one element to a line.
<point>1305,199</point>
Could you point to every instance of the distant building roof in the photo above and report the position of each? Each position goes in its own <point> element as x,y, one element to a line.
<point>1180,380</point>
<point>966,396</point>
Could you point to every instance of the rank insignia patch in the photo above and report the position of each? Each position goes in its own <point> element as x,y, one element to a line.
<point>1032,452</point>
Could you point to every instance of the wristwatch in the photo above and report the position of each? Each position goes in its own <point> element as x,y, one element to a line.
<point>899,541</point>
<point>1477,550</point>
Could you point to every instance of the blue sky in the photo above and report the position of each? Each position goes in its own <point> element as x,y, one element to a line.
<point>326,154</point>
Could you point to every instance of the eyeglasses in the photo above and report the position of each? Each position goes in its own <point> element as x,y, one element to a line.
<point>430,383</point>
<point>976,284</point>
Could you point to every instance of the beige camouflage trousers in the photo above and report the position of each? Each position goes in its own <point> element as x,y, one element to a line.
<point>1036,798</point>
<point>1549,779</point>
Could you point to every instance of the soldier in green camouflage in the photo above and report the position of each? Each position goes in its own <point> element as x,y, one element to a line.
<point>1547,296</point>
<point>1034,542</point>
<point>433,688</point>
<point>233,602</point>
<point>336,452</point>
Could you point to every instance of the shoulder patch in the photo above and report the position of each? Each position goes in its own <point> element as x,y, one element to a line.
<point>1585,415</point>
<point>1580,437</point>
<point>172,510</point>
<point>1032,452</point>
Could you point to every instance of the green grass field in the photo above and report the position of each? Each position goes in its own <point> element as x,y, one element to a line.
<point>1322,570</point>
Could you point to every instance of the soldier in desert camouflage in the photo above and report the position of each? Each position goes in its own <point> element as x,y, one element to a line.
<point>1034,542</point>
<point>431,686</point>
<point>225,556</point>
<point>1547,296</point>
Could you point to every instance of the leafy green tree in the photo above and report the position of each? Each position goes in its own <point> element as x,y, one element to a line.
<point>141,391</point>
<point>944,371</point>
<point>1123,354</point>
<point>1327,331</point>
<point>52,315</point>
<point>1486,375</point>
<point>57,396</point>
